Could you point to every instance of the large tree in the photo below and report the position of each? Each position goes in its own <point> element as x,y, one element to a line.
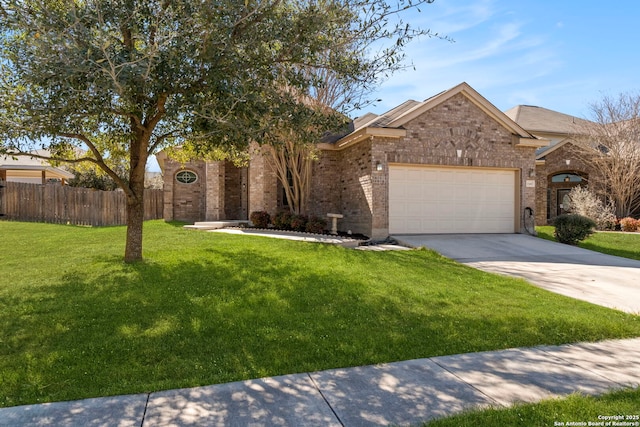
<point>610,145</point>
<point>293,143</point>
<point>131,77</point>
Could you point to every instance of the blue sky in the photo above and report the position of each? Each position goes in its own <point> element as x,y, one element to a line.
<point>558,54</point>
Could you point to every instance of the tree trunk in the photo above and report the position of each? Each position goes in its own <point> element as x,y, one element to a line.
<point>135,220</point>
<point>135,203</point>
<point>293,160</point>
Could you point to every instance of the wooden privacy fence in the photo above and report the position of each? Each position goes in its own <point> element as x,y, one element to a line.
<point>61,204</point>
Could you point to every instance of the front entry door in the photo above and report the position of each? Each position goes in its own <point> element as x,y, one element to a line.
<point>563,201</point>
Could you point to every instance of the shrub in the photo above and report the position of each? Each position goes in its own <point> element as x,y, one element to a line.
<point>260,219</point>
<point>316,225</point>
<point>573,228</point>
<point>629,224</point>
<point>299,223</point>
<point>282,220</point>
<point>584,202</point>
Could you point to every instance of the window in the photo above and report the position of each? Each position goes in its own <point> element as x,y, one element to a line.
<point>566,177</point>
<point>285,200</point>
<point>186,177</point>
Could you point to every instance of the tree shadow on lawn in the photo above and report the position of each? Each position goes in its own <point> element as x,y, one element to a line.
<point>151,326</point>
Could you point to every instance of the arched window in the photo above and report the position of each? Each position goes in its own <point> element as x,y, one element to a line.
<point>186,177</point>
<point>566,177</point>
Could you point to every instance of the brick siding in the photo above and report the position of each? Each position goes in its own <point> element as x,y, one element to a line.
<point>347,181</point>
<point>184,202</point>
<point>432,139</point>
<point>556,163</point>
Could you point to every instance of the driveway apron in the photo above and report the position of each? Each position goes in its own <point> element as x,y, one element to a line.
<point>601,279</point>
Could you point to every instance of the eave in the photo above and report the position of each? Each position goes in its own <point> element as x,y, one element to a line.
<point>27,170</point>
<point>535,143</point>
<point>364,134</point>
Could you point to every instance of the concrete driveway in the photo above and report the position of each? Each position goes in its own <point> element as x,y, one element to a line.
<point>601,279</point>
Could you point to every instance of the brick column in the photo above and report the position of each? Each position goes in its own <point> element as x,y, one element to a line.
<point>380,189</point>
<point>167,194</point>
<point>244,193</point>
<point>214,193</point>
<point>263,183</point>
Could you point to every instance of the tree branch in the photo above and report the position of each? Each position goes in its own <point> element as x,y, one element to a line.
<point>98,160</point>
<point>237,29</point>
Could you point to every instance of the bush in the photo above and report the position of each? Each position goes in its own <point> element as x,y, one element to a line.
<point>316,225</point>
<point>288,221</point>
<point>299,223</point>
<point>573,228</point>
<point>260,219</point>
<point>629,224</point>
<point>584,202</point>
<point>282,220</point>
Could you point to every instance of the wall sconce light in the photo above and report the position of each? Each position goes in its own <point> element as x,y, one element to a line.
<point>378,166</point>
<point>568,161</point>
<point>459,153</point>
<point>532,172</point>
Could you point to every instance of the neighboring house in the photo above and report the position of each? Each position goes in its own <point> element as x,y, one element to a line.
<point>453,163</point>
<point>31,170</point>
<point>559,167</point>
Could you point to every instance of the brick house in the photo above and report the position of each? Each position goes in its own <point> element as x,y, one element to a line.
<point>559,166</point>
<point>453,163</point>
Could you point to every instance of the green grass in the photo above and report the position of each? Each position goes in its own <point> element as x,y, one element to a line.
<point>577,409</point>
<point>626,245</point>
<point>208,308</point>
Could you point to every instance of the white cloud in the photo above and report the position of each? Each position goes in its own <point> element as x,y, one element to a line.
<point>542,53</point>
<point>494,49</point>
<point>445,18</point>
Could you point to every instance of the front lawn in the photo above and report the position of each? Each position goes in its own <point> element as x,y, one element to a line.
<point>621,407</point>
<point>626,245</point>
<point>207,308</point>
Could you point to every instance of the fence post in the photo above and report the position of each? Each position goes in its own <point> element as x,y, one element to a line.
<point>2,190</point>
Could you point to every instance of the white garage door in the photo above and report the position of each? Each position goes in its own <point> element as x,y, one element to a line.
<point>451,200</point>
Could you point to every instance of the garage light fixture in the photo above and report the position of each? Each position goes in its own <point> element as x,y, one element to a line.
<point>378,166</point>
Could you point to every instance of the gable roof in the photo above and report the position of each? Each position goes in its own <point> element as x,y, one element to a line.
<point>358,122</point>
<point>541,153</point>
<point>385,119</point>
<point>472,95</point>
<point>542,120</point>
<point>396,118</point>
<point>538,119</point>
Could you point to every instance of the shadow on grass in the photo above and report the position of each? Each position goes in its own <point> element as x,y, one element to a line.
<point>177,224</point>
<point>240,314</point>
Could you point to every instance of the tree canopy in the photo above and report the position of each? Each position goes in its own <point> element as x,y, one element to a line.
<point>127,78</point>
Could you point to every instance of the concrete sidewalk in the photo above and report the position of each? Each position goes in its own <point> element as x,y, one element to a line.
<point>401,393</point>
